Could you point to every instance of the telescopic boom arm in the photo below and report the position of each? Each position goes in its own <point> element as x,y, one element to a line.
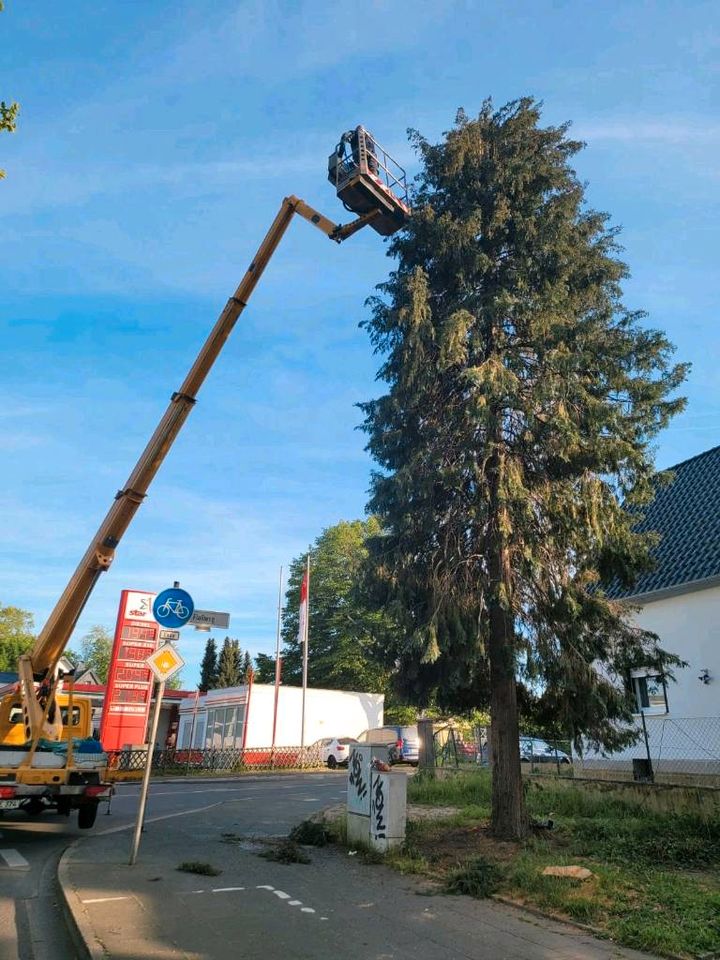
<point>41,663</point>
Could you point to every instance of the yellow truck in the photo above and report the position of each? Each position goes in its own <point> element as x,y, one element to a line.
<point>46,761</point>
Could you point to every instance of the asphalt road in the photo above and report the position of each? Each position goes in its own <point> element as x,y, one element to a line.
<point>32,926</point>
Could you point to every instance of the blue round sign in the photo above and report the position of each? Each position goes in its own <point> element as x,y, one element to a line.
<point>173,608</point>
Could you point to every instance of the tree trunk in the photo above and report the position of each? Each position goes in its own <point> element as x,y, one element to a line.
<point>509,819</point>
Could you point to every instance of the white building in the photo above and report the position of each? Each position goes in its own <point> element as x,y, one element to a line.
<point>680,601</point>
<point>242,717</point>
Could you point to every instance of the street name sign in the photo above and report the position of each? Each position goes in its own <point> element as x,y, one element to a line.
<point>210,618</point>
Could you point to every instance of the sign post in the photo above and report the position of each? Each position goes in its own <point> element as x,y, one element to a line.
<point>172,608</point>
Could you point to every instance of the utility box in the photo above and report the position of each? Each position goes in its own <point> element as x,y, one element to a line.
<point>388,809</point>
<point>377,800</point>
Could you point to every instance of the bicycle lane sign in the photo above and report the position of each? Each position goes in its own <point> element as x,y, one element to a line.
<point>173,607</point>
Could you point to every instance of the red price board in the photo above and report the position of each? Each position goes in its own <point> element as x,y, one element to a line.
<point>130,680</point>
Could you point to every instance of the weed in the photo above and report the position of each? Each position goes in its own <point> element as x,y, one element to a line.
<point>477,878</point>
<point>310,833</point>
<point>197,866</point>
<point>287,851</point>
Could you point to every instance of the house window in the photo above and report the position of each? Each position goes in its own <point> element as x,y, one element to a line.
<point>650,692</point>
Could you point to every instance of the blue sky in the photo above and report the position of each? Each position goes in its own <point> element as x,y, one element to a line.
<point>154,146</point>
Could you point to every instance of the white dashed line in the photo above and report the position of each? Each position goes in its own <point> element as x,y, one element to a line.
<point>227,889</point>
<point>281,895</point>
<point>14,860</point>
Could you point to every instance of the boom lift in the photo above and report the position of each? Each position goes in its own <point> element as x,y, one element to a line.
<point>369,183</point>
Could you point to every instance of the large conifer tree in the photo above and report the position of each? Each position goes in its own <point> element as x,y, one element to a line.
<point>208,667</point>
<point>513,440</point>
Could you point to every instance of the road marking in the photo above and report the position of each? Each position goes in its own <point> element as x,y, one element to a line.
<point>294,903</point>
<point>281,894</point>
<point>165,816</point>
<point>104,899</point>
<point>15,860</point>
<point>306,910</point>
<point>227,889</point>
<point>264,887</point>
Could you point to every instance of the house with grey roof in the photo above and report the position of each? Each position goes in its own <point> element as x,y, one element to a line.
<point>679,600</point>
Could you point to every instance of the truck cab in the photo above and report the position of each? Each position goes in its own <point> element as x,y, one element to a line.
<point>12,733</point>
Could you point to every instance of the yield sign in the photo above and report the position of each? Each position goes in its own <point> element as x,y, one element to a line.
<point>165,662</point>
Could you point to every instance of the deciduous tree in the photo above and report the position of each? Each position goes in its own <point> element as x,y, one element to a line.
<point>344,630</point>
<point>16,636</point>
<point>95,652</point>
<point>8,114</point>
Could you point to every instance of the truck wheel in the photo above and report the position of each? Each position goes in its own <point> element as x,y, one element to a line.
<point>33,807</point>
<point>87,814</point>
<point>332,762</point>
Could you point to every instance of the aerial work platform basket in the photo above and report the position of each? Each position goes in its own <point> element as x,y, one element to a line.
<point>368,179</point>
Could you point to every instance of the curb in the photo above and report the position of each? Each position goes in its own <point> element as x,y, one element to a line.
<point>555,918</point>
<point>83,934</point>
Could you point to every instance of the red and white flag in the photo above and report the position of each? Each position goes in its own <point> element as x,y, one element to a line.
<point>302,631</point>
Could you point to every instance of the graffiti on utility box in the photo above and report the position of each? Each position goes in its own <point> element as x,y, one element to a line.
<point>378,802</point>
<point>358,780</point>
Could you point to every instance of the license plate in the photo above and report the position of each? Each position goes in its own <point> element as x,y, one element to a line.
<point>9,804</point>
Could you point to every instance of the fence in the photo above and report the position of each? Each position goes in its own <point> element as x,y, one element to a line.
<point>129,764</point>
<point>679,750</point>
<point>538,753</point>
<point>670,750</point>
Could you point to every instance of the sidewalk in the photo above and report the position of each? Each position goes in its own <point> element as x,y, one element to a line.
<point>334,908</point>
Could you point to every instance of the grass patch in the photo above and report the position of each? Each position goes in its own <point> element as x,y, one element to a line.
<point>655,884</point>
<point>287,851</point>
<point>197,866</point>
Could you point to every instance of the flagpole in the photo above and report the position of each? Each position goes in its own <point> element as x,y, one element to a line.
<point>278,666</point>
<point>305,657</point>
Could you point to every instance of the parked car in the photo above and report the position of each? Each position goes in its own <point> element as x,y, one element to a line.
<point>533,750</point>
<point>335,752</point>
<point>403,743</point>
<point>465,750</point>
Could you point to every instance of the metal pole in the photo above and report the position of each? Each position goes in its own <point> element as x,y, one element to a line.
<point>647,747</point>
<point>146,774</point>
<point>192,733</point>
<point>305,661</point>
<point>277,664</point>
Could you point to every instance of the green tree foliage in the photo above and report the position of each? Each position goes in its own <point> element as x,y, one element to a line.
<point>344,631</point>
<point>230,664</point>
<point>95,652</point>
<point>247,667</point>
<point>209,667</point>
<point>8,115</point>
<point>16,636</point>
<point>514,440</point>
<point>264,668</point>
